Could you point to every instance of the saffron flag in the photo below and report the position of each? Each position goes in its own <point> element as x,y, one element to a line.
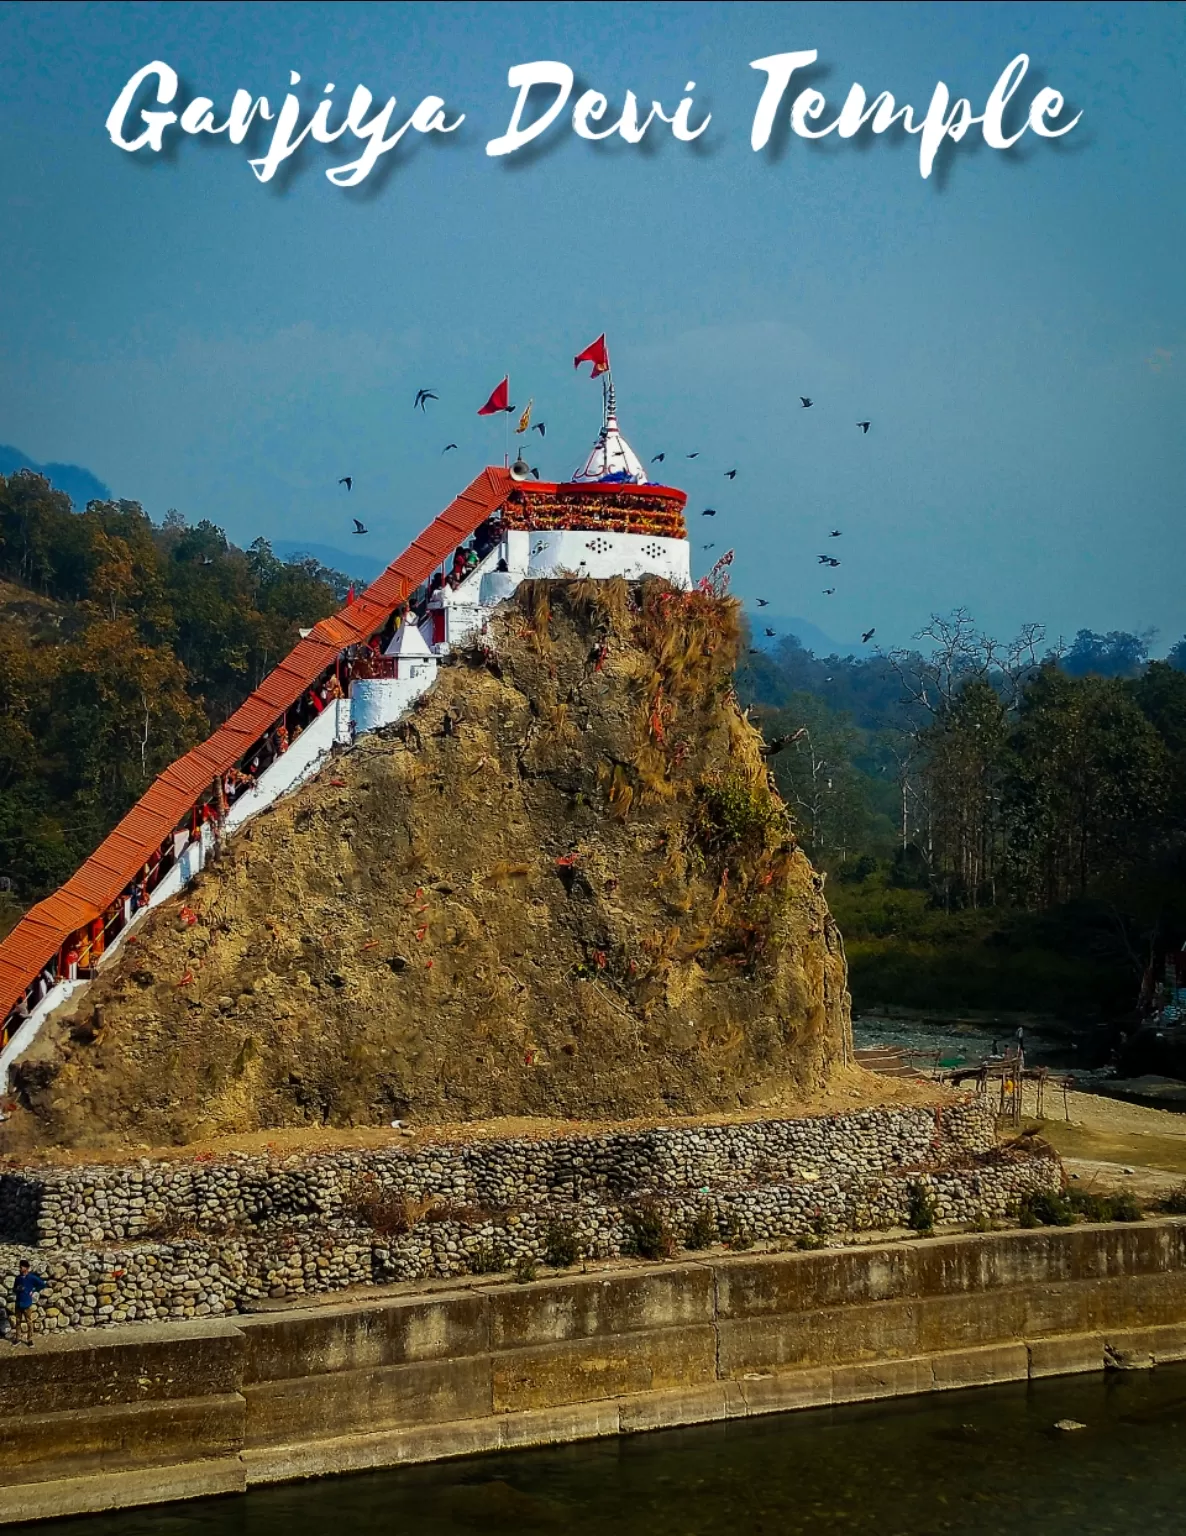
<point>595,353</point>
<point>525,419</point>
<point>500,400</point>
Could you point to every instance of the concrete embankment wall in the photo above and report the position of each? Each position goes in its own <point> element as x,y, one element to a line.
<point>150,1412</point>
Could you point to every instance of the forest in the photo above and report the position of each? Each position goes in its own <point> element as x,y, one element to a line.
<point>122,645</point>
<point>1002,823</point>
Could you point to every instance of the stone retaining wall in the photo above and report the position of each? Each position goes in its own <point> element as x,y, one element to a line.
<point>106,1204</point>
<point>177,1241</point>
<point>207,1277</point>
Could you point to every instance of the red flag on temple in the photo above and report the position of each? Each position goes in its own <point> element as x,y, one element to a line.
<point>350,594</point>
<point>500,400</point>
<point>595,353</point>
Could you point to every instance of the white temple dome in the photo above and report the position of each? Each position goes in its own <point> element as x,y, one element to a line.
<point>408,643</point>
<point>612,459</point>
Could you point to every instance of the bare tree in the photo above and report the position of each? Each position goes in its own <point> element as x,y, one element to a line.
<point>961,688</point>
<point>907,755</point>
<point>809,796</point>
<point>957,654</point>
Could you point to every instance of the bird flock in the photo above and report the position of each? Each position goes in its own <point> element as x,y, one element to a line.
<point>423,396</point>
<point>420,403</point>
<point>832,562</point>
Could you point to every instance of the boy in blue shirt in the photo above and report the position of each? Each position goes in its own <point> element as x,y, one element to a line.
<point>24,1288</point>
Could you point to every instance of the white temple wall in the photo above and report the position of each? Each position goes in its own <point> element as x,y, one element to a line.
<point>379,701</point>
<point>294,766</point>
<point>548,553</point>
<point>553,552</point>
<point>23,1037</point>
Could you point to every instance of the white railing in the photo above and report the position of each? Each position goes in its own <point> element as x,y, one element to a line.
<point>22,1038</point>
<point>290,770</point>
<point>293,767</point>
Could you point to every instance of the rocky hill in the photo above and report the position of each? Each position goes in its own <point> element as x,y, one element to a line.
<point>561,887</point>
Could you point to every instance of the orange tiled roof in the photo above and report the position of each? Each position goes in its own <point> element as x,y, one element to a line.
<point>173,796</point>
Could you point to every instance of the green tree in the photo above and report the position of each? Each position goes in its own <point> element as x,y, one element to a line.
<point>1088,789</point>
<point>966,757</point>
<point>120,713</point>
<point>831,799</point>
<point>121,645</point>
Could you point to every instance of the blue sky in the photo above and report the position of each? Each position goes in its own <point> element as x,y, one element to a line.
<point>1015,328</point>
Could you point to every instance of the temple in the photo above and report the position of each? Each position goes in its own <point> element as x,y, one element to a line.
<point>352,673</point>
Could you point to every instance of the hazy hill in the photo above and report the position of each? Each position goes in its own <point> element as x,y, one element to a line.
<point>78,483</point>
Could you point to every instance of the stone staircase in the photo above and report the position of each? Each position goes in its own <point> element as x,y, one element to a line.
<point>886,1061</point>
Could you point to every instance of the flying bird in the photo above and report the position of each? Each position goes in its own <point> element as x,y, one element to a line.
<point>828,591</point>
<point>806,401</point>
<point>867,636</point>
<point>730,474</point>
<point>695,455</point>
<point>447,446</point>
<point>763,602</point>
<point>541,428</point>
<point>207,559</point>
<point>658,459</point>
<point>424,395</point>
<point>347,481</point>
<point>777,743</point>
<point>864,425</point>
<point>708,546</point>
<point>835,533</point>
<point>833,563</point>
<point>709,512</point>
<point>359,527</point>
<point>770,633</point>
<point>754,651</point>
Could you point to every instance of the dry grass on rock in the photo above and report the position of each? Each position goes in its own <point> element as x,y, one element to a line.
<point>564,888</point>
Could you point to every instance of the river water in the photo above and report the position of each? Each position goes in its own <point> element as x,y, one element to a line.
<point>983,1462</point>
<point>964,1043</point>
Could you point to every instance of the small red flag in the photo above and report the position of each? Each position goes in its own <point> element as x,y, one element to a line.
<point>595,353</point>
<point>350,594</point>
<point>500,400</point>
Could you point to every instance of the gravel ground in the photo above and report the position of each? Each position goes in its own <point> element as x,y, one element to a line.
<point>1112,1144</point>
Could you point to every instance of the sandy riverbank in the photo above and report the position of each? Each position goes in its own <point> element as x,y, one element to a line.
<point>1111,1144</point>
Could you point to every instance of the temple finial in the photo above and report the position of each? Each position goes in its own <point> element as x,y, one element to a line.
<point>612,458</point>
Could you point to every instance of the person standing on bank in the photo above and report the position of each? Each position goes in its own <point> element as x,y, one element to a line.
<point>25,1287</point>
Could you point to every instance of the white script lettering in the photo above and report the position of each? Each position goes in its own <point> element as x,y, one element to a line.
<point>590,108</point>
<point>287,134</point>
<point>942,120</point>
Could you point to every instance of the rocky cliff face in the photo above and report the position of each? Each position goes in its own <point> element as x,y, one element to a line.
<point>562,886</point>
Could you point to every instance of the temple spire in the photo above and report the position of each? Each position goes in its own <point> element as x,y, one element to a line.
<point>612,459</point>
